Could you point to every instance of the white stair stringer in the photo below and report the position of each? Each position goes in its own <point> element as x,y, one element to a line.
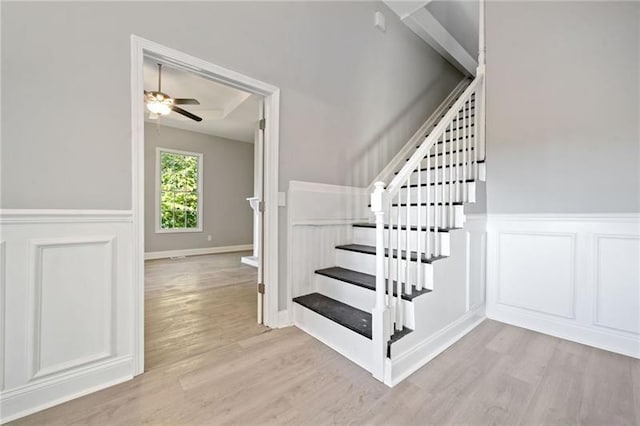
<point>441,316</point>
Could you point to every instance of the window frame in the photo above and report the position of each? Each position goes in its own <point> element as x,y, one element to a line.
<point>158,196</point>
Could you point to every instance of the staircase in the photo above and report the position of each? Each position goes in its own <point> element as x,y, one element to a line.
<point>381,300</point>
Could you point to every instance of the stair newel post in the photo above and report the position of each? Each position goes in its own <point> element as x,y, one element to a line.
<point>380,315</point>
<point>399,318</point>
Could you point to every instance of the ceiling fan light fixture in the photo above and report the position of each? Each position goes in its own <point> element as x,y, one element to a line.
<point>160,107</point>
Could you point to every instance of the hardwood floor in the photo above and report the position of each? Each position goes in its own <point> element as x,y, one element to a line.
<point>197,304</point>
<point>209,363</point>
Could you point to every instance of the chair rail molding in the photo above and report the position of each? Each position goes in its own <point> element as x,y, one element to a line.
<point>574,276</point>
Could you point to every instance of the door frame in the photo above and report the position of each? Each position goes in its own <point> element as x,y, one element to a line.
<point>141,48</point>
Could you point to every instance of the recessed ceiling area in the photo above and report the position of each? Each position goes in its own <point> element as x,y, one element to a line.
<point>226,112</point>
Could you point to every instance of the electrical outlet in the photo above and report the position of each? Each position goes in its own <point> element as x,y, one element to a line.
<point>208,237</point>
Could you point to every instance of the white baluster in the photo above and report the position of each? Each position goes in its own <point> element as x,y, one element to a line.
<point>428,219</point>
<point>436,190</point>
<point>419,229</point>
<point>451,176</point>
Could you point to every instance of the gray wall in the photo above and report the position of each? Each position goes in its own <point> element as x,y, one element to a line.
<point>351,96</point>
<point>227,182</point>
<point>563,107</point>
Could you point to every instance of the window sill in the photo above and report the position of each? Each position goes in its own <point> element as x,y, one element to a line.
<point>178,230</point>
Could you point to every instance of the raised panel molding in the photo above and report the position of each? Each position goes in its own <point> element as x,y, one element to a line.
<point>572,276</point>
<point>88,261</point>
<point>66,313</point>
<point>536,272</point>
<point>617,277</point>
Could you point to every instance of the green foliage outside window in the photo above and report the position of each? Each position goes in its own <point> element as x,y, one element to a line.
<point>178,191</point>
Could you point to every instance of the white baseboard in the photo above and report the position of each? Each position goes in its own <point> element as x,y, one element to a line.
<point>31,398</point>
<point>284,319</point>
<point>603,339</point>
<point>195,252</point>
<point>406,364</point>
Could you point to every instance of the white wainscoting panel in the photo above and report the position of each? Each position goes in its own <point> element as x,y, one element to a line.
<point>72,299</point>
<point>66,304</point>
<point>617,298</point>
<point>533,266</point>
<point>319,218</point>
<point>572,276</point>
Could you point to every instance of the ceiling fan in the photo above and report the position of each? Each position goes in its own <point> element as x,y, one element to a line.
<point>159,103</point>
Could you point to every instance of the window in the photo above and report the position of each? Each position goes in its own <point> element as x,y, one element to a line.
<point>179,191</point>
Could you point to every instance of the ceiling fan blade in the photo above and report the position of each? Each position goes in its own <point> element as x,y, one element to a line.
<point>183,101</point>
<point>186,113</point>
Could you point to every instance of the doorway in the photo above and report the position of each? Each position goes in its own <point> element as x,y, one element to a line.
<point>266,289</point>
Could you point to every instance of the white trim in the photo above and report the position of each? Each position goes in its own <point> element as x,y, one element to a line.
<point>140,48</point>
<point>15,216</point>
<point>196,252</point>
<point>404,365</point>
<point>200,157</point>
<point>564,217</point>
<point>36,395</point>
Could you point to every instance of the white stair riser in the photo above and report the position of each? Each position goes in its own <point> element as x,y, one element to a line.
<point>350,344</point>
<point>358,297</point>
<point>463,192</point>
<point>450,173</point>
<point>366,263</point>
<point>444,216</point>
<point>367,237</point>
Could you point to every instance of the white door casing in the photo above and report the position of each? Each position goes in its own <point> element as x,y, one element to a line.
<point>141,48</point>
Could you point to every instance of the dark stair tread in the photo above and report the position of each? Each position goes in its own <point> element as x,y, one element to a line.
<point>415,185</point>
<point>457,118</point>
<point>402,227</point>
<point>458,128</point>
<point>397,335</point>
<point>366,281</point>
<point>453,203</point>
<point>413,256</point>
<point>440,153</point>
<point>446,151</point>
<point>424,169</point>
<point>347,316</point>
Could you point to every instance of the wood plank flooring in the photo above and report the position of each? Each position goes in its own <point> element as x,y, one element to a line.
<point>197,304</point>
<point>497,374</point>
